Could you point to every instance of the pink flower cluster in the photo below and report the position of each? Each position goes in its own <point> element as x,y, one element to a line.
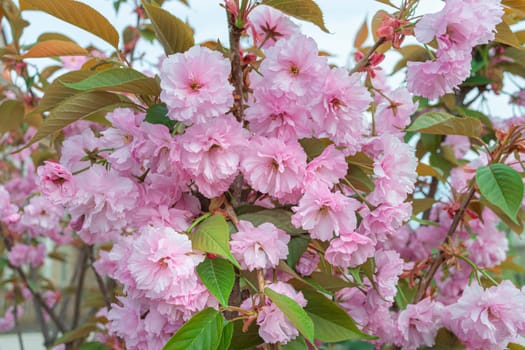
<point>458,27</point>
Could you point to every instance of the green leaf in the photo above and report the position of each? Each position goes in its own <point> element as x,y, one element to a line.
<point>119,79</point>
<point>446,340</point>
<point>158,114</point>
<point>294,312</point>
<point>77,14</point>
<point>313,147</point>
<point>502,186</point>
<point>213,236</point>
<point>93,346</point>
<point>75,108</point>
<point>11,115</point>
<point>202,331</point>
<point>440,123</point>
<point>297,344</point>
<point>328,281</point>
<point>281,218</point>
<point>296,248</point>
<point>226,338</point>
<point>245,340</point>
<point>331,322</point>
<point>306,10</point>
<point>218,276</point>
<point>174,35</point>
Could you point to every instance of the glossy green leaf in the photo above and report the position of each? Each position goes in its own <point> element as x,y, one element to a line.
<point>202,331</point>
<point>296,247</point>
<point>331,322</point>
<point>158,114</point>
<point>213,236</point>
<point>226,338</point>
<point>441,123</point>
<point>11,115</point>
<point>502,186</point>
<point>281,218</point>
<point>77,14</point>
<point>119,79</point>
<point>245,340</point>
<point>75,108</point>
<point>306,10</point>
<point>174,35</point>
<point>294,312</point>
<point>93,346</point>
<point>328,281</point>
<point>218,276</point>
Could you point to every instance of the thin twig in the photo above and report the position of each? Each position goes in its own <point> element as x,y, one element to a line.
<point>100,281</point>
<point>17,327</point>
<point>425,282</point>
<point>80,288</point>
<point>364,60</point>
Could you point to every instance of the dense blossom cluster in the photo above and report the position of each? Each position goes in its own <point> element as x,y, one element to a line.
<point>134,190</point>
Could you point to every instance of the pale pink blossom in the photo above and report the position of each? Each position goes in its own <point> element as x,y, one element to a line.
<point>419,324</point>
<point>294,68</point>
<point>393,114</point>
<point>195,85</point>
<point>489,247</point>
<point>349,250</point>
<point>340,113</point>
<point>259,247</point>
<point>488,319</point>
<point>324,213</point>
<point>389,266</point>
<point>308,262</point>
<point>41,217</point>
<point>460,145</point>
<point>327,168</point>
<point>162,263</point>
<point>23,254</point>
<point>56,182</point>
<point>395,171</point>
<point>8,212</point>
<point>271,166</point>
<point>270,25</point>
<point>384,220</point>
<point>7,323</point>
<point>211,152</point>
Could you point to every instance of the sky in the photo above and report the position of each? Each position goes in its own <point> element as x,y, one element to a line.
<point>342,17</point>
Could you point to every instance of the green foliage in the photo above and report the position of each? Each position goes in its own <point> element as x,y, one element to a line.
<point>118,79</point>
<point>226,337</point>
<point>331,323</point>
<point>296,248</point>
<point>158,114</point>
<point>93,346</point>
<point>202,331</point>
<point>294,312</point>
<point>281,218</point>
<point>306,10</point>
<point>245,340</point>
<point>297,344</point>
<point>213,236</point>
<point>11,115</point>
<point>502,186</point>
<point>173,34</point>
<point>441,123</point>
<point>218,276</point>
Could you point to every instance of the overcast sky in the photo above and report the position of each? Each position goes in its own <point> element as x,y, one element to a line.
<point>342,17</point>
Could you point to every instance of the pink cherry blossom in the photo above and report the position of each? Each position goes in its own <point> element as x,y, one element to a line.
<point>324,213</point>
<point>270,25</point>
<point>392,116</point>
<point>307,262</point>
<point>327,168</point>
<point>259,247</point>
<point>22,254</point>
<point>271,166</point>
<point>419,324</point>
<point>162,263</point>
<point>488,319</point>
<point>340,113</point>
<point>195,85</point>
<point>8,211</point>
<point>389,266</point>
<point>56,182</point>
<point>385,220</point>
<point>211,152</point>
<point>349,250</point>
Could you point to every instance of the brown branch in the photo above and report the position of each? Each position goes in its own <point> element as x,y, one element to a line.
<point>364,60</point>
<point>235,58</point>
<point>100,281</point>
<point>441,256</point>
<point>80,287</point>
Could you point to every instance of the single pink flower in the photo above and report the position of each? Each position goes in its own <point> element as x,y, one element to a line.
<point>195,85</point>
<point>259,247</point>
<point>349,250</point>
<point>56,182</point>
